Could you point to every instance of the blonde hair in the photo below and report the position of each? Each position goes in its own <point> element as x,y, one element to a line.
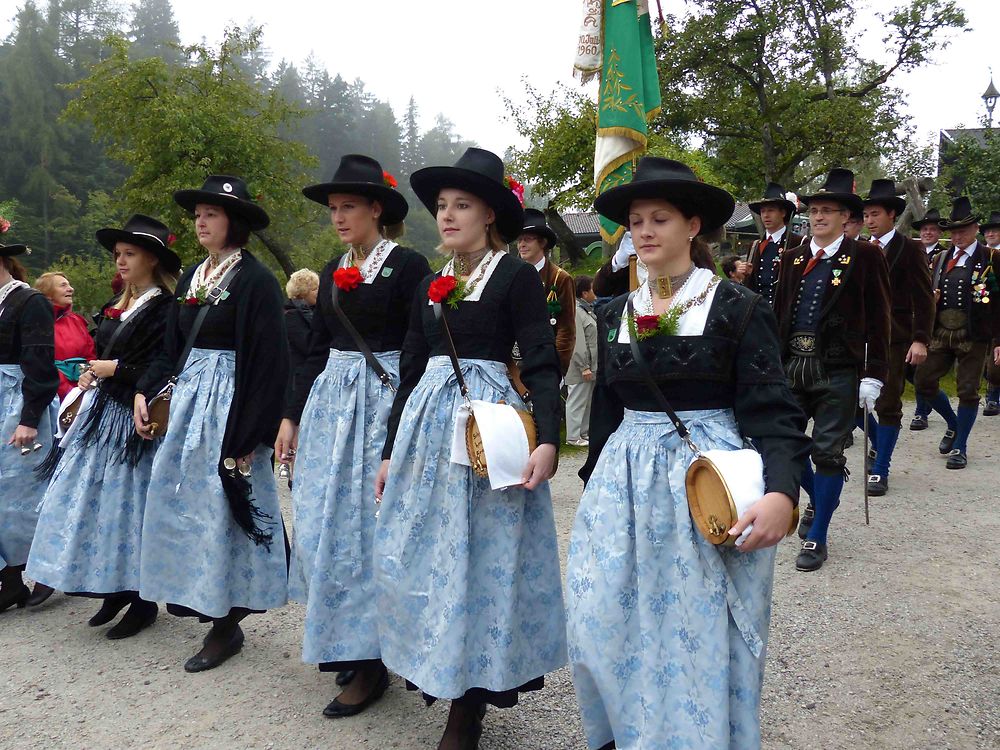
<point>46,283</point>
<point>162,278</point>
<point>300,283</point>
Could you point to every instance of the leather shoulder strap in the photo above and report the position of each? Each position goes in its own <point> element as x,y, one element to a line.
<point>452,352</point>
<point>214,295</point>
<point>360,342</point>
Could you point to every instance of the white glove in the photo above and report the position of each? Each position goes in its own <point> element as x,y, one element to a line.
<point>621,256</point>
<point>868,393</point>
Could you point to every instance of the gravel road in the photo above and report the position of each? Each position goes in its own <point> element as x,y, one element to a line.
<point>893,644</point>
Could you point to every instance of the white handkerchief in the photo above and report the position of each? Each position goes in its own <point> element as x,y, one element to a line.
<point>459,451</point>
<point>743,471</point>
<point>504,442</point>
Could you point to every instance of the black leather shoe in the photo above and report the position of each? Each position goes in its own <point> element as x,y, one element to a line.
<point>344,678</point>
<point>957,460</point>
<point>198,663</point>
<point>878,485</point>
<point>944,448</point>
<point>991,409</point>
<point>919,422</point>
<point>139,617</point>
<point>811,557</point>
<point>17,599</point>
<point>338,710</point>
<point>40,594</point>
<point>806,521</point>
<point>109,610</point>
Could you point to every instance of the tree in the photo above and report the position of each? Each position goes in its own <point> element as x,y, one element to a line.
<point>173,125</point>
<point>973,169</point>
<point>154,32</point>
<point>410,147</point>
<point>777,90</point>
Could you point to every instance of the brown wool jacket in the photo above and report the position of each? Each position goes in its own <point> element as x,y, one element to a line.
<point>855,312</point>
<point>910,289</point>
<point>557,280</point>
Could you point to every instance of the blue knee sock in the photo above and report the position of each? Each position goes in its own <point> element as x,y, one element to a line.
<point>887,437</point>
<point>966,418</point>
<point>827,498</point>
<point>872,429</point>
<point>923,406</point>
<point>942,406</point>
<point>808,478</point>
<point>993,394</point>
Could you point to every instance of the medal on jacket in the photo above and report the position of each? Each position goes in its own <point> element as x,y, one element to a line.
<point>836,276</point>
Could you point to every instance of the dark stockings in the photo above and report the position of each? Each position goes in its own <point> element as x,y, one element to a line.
<point>465,726</point>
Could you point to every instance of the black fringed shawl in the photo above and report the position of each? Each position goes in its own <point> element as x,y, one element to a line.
<point>257,334</point>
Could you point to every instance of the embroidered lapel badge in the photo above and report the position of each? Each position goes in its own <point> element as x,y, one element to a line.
<point>797,261</point>
<point>224,295</point>
<point>612,335</point>
<point>846,260</point>
<point>386,272</point>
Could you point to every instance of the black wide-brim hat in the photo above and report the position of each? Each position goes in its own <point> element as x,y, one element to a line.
<point>883,193</point>
<point>839,188</point>
<point>481,173</point>
<point>991,223</point>
<point>535,223</point>
<point>361,175</point>
<point>674,182</point>
<point>230,193</point>
<point>774,195</point>
<point>961,214</point>
<point>9,251</point>
<point>931,217</point>
<point>147,233</point>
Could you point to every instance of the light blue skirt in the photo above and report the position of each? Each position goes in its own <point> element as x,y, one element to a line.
<point>333,502</point>
<point>467,577</point>
<point>90,528</point>
<point>20,492</point>
<point>667,633</point>
<point>193,552</point>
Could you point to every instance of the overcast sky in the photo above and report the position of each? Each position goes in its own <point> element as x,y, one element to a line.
<point>460,58</point>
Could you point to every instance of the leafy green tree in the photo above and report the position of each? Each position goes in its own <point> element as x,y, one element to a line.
<point>173,125</point>
<point>973,169</point>
<point>778,91</point>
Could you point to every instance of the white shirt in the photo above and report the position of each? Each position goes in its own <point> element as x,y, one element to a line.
<point>830,250</point>
<point>931,249</point>
<point>886,238</point>
<point>692,322</point>
<point>540,264</point>
<point>776,236</point>
<point>963,254</point>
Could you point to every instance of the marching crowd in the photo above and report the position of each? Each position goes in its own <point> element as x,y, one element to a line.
<point>138,468</point>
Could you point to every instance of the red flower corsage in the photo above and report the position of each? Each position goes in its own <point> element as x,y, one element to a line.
<point>446,290</point>
<point>113,313</point>
<point>515,187</point>
<point>4,225</point>
<point>171,239</point>
<point>347,279</point>
<point>647,323</point>
<point>389,180</point>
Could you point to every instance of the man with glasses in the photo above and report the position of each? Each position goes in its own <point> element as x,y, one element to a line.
<point>966,326</point>
<point>832,306</point>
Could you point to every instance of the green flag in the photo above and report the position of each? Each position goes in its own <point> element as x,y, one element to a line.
<point>629,96</point>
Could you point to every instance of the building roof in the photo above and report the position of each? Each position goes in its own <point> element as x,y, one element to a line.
<point>954,134</point>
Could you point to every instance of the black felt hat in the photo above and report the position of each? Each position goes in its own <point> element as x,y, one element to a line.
<point>961,214</point>
<point>883,193</point>
<point>774,195</point>
<point>147,233</point>
<point>931,217</point>
<point>991,223</point>
<point>481,173</point>
<point>9,251</point>
<point>839,188</point>
<point>535,223</point>
<point>673,182</point>
<point>229,192</point>
<point>362,175</point>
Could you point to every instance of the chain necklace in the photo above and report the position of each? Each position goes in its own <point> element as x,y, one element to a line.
<point>368,269</point>
<point>465,264</point>
<point>479,271</point>
<point>665,285</point>
<point>683,307</point>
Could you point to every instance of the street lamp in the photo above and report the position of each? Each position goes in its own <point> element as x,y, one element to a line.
<point>990,96</point>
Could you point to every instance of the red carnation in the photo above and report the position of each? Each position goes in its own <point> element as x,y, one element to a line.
<point>516,187</point>
<point>192,301</point>
<point>171,239</point>
<point>647,323</point>
<point>441,288</point>
<point>4,225</point>
<point>347,279</point>
<point>113,313</point>
<point>389,180</point>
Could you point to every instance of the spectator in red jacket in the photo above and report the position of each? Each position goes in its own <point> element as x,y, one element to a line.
<point>74,345</point>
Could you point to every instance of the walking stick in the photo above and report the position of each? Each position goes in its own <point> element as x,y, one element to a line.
<point>867,519</point>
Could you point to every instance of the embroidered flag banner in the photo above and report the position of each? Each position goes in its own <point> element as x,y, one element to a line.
<point>617,33</point>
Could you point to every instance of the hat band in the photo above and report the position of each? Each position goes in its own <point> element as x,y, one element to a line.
<point>147,234</point>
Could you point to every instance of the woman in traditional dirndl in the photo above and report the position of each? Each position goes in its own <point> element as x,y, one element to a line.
<point>667,633</point>
<point>28,384</point>
<point>89,533</point>
<point>213,541</point>
<point>334,427</point>
<point>467,577</point>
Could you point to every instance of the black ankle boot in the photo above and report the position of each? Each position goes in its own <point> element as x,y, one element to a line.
<point>109,610</point>
<point>141,614</point>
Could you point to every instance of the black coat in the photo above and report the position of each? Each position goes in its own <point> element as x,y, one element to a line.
<point>27,339</point>
<point>984,318</point>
